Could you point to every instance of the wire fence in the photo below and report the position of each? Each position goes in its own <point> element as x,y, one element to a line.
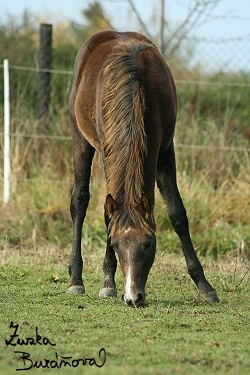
<point>177,145</point>
<point>179,82</point>
<point>214,56</point>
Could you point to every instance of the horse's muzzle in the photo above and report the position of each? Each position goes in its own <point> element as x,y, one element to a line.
<point>136,300</point>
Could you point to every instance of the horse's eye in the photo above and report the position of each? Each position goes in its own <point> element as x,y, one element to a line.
<point>148,245</point>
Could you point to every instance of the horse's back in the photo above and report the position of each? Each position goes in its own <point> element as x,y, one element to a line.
<point>88,79</point>
<point>105,37</point>
<point>97,48</point>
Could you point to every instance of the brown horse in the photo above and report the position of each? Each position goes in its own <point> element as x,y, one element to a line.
<point>123,104</point>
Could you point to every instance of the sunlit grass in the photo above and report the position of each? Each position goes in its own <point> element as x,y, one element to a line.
<point>175,333</point>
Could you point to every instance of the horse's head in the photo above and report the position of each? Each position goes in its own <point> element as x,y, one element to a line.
<point>135,246</point>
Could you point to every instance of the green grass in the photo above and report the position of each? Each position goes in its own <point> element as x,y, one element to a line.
<point>175,333</point>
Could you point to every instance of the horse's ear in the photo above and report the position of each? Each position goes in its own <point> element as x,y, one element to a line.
<point>110,206</point>
<point>146,205</point>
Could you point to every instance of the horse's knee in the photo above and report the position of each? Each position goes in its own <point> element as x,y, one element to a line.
<point>180,223</point>
<point>79,202</point>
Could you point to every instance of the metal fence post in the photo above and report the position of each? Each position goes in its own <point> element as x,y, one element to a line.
<point>6,189</point>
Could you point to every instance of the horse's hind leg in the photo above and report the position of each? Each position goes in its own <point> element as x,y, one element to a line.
<point>166,181</point>
<point>83,155</point>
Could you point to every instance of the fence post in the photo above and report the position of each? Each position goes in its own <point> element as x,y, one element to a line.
<point>44,76</point>
<point>6,178</point>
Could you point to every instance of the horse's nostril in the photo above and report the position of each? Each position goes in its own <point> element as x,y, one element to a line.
<point>139,300</point>
<point>140,296</point>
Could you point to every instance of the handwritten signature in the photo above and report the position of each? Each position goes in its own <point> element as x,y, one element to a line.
<point>58,361</point>
<point>16,340</point>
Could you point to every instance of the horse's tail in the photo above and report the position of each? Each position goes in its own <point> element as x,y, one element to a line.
<point>124,141</point>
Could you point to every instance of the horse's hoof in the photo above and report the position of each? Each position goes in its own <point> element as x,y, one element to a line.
<point>76,289</point>
<point>210,297</point>
<point>108,292</point>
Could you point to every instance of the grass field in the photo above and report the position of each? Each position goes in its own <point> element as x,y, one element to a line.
<point>175,333</point>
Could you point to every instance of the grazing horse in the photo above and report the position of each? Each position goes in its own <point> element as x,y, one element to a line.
<point>123,104</point>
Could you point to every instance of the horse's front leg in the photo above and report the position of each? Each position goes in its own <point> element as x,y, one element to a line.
<point>166,181</point>
<point>83,155</point>
<point>109,268</point>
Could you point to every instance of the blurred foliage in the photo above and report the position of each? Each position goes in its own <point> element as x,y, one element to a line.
<point>213,119</point>
<point>20,45</point>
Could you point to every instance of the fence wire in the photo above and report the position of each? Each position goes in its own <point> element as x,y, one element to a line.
<point>223,55</point>
<point>206,65</point>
